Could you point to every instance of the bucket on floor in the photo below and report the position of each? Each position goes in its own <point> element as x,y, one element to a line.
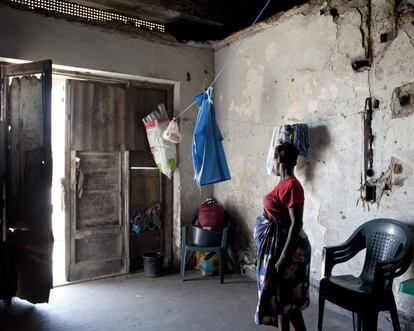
<point>153,264</point>
<point>207,268</point>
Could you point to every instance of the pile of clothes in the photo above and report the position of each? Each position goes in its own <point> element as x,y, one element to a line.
<point>150,219</point>
<point>296,134</point>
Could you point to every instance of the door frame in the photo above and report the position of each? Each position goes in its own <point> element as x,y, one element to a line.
<point>167,184</point>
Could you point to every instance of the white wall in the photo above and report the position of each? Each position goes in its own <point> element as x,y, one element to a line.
<point>298,69</point>
<point>29,36</point>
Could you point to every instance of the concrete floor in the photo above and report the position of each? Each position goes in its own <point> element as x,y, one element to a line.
<point>134,302</point>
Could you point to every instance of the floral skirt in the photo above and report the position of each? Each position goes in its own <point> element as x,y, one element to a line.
<point>289,289</point>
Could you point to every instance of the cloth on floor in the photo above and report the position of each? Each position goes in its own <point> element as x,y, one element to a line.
<point>209,160</point>
<point>297,134</point>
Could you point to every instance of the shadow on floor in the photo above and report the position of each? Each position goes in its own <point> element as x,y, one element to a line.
<point>135,302</point>
<point>22,315</point>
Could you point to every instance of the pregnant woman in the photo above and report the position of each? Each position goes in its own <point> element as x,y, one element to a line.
<point>283,249</point>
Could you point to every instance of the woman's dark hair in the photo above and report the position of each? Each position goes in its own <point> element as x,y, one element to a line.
<point>287,153</point>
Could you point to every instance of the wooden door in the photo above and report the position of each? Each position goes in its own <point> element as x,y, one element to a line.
<point>104,124</point>
<point>95,236</point>
<point>97,245</point>
<point>27,225</point>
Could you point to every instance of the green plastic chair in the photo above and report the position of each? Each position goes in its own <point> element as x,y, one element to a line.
<point>389,251</point>
<point>214,243</point>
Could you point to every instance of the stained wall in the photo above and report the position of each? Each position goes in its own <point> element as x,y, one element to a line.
<point>319,65</point>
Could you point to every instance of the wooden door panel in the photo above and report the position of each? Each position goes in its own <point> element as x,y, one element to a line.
<point>97,209</point>
<point>25,138</point>
<point>97,227</point>
<point>93,269</point>
<point>29,176</point>
<point>103,247</point>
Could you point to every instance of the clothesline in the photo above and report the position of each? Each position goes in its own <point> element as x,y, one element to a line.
<point>229,57</point>
<point>327,119</point>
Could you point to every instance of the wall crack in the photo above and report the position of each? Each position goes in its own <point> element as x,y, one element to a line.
<point>410,38</point>
<point>363,33</point>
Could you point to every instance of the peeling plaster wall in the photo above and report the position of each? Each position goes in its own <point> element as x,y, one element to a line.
<point>297,68</point>
<point>393,67</point>
<point>29,36</point>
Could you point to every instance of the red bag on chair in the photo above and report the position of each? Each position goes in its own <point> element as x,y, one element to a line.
<point>211,216</point>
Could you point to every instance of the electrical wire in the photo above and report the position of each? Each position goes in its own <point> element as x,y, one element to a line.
<point>242,39</point>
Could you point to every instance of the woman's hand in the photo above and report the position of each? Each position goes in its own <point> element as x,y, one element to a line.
<point>277,267</point>
<point>279,264</point>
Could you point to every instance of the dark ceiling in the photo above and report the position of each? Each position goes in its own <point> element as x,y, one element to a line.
<point>195,19</point>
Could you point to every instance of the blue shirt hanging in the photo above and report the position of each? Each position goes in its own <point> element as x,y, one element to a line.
<point>209,160</point>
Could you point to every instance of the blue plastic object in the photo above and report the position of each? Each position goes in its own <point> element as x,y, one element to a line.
<point>407,286</point>
<point>209,160</point>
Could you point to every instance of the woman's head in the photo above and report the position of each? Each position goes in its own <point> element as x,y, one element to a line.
<point>286,155</point>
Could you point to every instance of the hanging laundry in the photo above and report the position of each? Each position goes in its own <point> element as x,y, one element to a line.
<point>270,154</point>
<point>297,134</point>
<point>301,138</point>
<point>209,160</point>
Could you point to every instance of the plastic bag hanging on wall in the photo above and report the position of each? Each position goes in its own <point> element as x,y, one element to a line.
<point>209,160</point>
<point>164,152</point>
<point>172,133</point>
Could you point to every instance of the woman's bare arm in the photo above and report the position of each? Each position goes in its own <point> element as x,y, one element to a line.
<point>296,218</point>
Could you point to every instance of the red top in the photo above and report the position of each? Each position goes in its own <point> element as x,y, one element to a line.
<point>282,197</point>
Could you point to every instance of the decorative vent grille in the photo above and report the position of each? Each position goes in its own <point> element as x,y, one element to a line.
<point>87,13</point>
